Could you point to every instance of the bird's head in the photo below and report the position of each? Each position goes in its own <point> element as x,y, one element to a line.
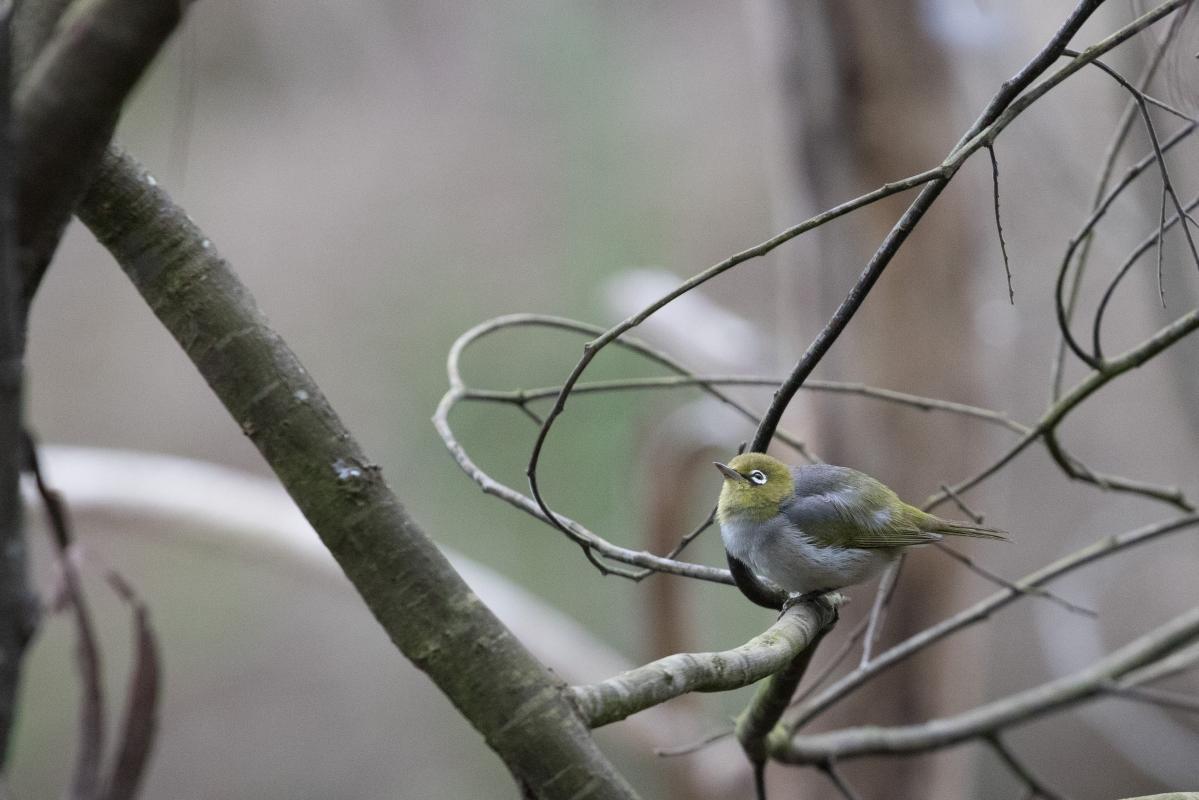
<point>754,485</point>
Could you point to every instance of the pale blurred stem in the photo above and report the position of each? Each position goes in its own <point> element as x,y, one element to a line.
<point>16,602</point>
<point>795,632</point>
<point>430,614</point>
<point>992,718</point>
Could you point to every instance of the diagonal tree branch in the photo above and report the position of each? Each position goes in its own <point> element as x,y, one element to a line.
<point>428,611</point>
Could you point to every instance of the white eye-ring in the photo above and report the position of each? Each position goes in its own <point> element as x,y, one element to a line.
<point>758,477</point>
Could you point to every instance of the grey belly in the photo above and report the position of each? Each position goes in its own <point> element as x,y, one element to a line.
<point>794,562</point>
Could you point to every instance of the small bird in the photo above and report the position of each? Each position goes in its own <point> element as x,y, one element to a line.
<point>815,528</point>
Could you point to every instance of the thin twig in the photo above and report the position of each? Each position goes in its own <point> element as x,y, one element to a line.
<point>692,534</point>
<point>834,775</point>
<point>1157,697</point>
<point>1036,786</point>
<point>1119,136</point>
<point>1035,591</point>
<point>878,609</point>
<point>1076,470</point>
<point>979,519</point>
<point>1130,260</point>
<point>1161,246</point>
<point>920,402</point>
<point>1007,267</point>
<point>829,668</point>
<point>693,747</point>
<point>1004,106</point>
<point>1130,359</point>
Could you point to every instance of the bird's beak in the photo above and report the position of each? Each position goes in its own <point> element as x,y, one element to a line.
<point>729,473</point>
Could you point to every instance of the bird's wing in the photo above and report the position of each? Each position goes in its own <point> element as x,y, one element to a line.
<point>841,507</point>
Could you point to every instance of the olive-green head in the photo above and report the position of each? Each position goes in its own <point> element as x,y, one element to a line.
<point>754,485</point>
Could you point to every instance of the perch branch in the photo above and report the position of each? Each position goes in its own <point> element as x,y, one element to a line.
<point>618,697</point>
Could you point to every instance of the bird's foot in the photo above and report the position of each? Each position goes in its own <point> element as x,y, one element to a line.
<point>796,598</point>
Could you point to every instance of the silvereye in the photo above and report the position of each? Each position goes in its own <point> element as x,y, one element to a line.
<point>815,528</point>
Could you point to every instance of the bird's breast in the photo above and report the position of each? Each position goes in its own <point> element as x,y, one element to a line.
<point>782,553</point>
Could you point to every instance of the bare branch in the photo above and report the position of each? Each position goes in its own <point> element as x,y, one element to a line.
<point>1035,591</point>
<point>1004,107</point>
<point>1180,661</point>
<point>1158,697</point>
<point>983,609</point>
<point>1076,470</point>
<point>638,689</point>
<point>878,609</point>
<point>919,402</point>
<point>1119,136</point>
<point>1129,261</point>
<point>829,768</point>
<point>1036,786</point>
<point>1007,267</point>
<point>991,718</point>
<point>18,606</point>
<point>1129,360</point>
<point>66,109</point>
<point>828,669</point>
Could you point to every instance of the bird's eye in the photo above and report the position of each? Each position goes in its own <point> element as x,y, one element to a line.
<point>758,477</point>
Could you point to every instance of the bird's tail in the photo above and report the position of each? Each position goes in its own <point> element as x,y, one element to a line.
<point>947,528</point>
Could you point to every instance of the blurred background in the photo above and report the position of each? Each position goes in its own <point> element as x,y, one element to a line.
<point>384,176</point>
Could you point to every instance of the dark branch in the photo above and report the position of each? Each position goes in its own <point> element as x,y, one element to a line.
<point>911,217</point>
<point>66,108</point>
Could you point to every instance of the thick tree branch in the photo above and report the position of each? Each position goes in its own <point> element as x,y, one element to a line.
<point>16,602</point>
<point>422,603</point>
<point>638,689</point>
<point>67,106</point>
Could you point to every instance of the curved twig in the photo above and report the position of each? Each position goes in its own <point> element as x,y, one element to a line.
<point>1115,144</point>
